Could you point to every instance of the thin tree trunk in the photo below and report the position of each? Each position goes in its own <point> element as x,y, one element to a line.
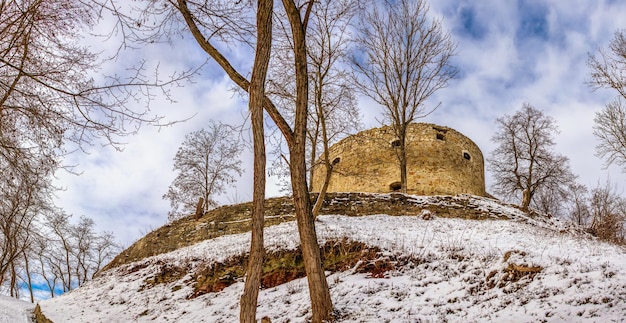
<point>525,199</point>
<point>313,155</point>
<point>30,283</point>
<point>68,266</point>
<point>322,194</point>
<point>318,287</point>
<point>13,281</point>
<point>321,303</point>
<point>205,202</point>
<point>257,93</point>
<point>403,170</point>
<point>43,274</point>
<point>327,164</point>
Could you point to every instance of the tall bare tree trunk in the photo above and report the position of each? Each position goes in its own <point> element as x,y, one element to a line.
<point>526,197</point>
<point>327,164</point>
<point>321,303</point>
<point>400,128</point>
<point>257,94</point>
<point>313,139</point>
<point>296,139</point>
<point>28,277</point>
<point>403,170</point>
<point>13,283</point>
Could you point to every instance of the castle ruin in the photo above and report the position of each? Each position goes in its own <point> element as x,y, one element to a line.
<point>440,161</point>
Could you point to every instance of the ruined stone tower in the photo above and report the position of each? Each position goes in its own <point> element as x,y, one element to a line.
<point>440,161</point>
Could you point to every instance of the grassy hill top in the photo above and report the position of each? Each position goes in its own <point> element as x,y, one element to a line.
<point>233,219</point>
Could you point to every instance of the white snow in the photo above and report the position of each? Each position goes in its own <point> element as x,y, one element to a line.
<point>454,260</point>
<point>13,310</point>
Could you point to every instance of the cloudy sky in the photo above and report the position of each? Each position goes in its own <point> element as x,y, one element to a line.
<point>510,52</point>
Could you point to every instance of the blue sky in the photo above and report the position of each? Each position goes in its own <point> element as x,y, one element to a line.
<point>510,52</point>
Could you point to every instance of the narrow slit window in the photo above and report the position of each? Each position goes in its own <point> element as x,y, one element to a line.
<point>336,161</point>
<point>467,156</point>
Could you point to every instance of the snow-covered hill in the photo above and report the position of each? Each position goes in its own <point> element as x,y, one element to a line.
<point>443,269</point>
<point>13,310</point>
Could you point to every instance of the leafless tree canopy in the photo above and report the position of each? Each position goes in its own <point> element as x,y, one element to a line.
<point>608,213</point>
<point>579,209</point>
<point>205,163</point>
<point>222,29</point>
<point>50,94</point>
<point>70,254</point>
<point>406,58</point>
<point>333,113</point>
<point>48,97</point>
<point>610,129</point>
<point>524,160</point>
<point>608,70</point>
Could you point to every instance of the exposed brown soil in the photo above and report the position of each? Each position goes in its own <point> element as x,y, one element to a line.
<point>279,267</point>
<point>286,265</point>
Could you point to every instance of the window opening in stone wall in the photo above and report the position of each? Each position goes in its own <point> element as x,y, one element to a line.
<point>395,143</point>
<point>395,186</point>
<point>440,136</point>
<point>336,161</point>
<point>467,156</point>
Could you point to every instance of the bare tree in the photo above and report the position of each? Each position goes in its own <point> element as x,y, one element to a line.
<point>333,112</point>
<point>608,70</point>
<point>609,67</point>
<point>610,129</point>
<point>551,202</point>
<point>406,59</point>
<point>216,27</point>
<point>46,75</point>
<point>321,303</point>
<point>60,233</point>
<point>42,253</point>
<point>249,299</point>
<point>67,255</point>
<point>524,160</point>
<point>23,196</point>
<point>560,201</point>
<point>48,97</point>
<point>104,250</point>
<point>608,213</point>
<point>205,164</point>
<point>579,207</point>
<point>84,238</point>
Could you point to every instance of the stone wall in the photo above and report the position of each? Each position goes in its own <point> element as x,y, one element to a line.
<point>440,161</point>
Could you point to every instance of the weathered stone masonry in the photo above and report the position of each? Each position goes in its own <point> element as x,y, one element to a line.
<point>440,161</point>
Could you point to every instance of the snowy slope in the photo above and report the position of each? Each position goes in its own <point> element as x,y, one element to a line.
<point>458,273</point>
<point>13,310</point>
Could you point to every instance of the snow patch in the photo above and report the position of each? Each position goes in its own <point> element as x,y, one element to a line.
<point>580,278</point>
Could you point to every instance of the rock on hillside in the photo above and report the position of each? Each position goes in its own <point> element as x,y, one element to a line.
<point>492,263</point>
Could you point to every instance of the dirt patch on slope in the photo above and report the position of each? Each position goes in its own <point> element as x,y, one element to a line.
<point>279,267</point>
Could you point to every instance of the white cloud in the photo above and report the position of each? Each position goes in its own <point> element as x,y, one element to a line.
<point>500,67</point>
